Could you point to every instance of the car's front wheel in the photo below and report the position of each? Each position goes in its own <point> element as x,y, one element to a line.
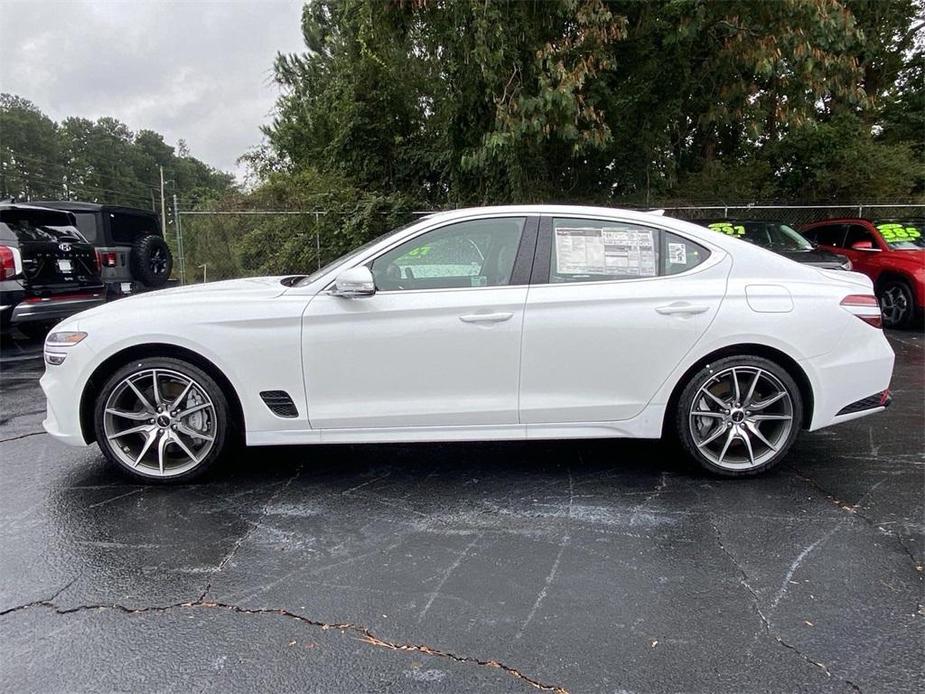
<point>162,420</point>
<point>739,415</point>
<point>897,304</point>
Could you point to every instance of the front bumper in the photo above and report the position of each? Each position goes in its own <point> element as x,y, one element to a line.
<point>63,386</point>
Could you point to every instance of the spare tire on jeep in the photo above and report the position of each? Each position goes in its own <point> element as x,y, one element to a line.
<point>151,260</point>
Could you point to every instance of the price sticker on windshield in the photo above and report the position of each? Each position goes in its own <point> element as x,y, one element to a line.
<point>727,228</point>
<point>898,232</point>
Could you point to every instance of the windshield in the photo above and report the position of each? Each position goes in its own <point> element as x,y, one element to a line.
<point>771,235</point>
<point>39,225</point>
<point>902,235</point>
<point>346,258</point>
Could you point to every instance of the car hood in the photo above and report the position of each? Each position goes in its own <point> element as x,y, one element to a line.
<point>910,260</point>
<point>816,257</point>
<point>243,290</point>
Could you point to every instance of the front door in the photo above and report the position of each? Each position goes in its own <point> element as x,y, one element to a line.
<point>438,344</point>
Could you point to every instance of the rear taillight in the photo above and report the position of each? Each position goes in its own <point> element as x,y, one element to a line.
<point>864,306</point>
<point>107,258</point>
<point>10,262</point>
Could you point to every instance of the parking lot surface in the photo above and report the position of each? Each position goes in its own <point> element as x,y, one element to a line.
<point>581,566</point>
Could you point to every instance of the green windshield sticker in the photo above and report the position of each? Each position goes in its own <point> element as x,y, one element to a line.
<point>727,228</point>
<point>419,251</point>
<point>892,233</point>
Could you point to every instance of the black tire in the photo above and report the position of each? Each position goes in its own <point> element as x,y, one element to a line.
<point>713,373</point>
<point>151,261</point>
<point>224,430</point>
<point>897,304</point>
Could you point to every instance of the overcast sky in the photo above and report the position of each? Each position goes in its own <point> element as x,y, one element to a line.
<point>198,70</point>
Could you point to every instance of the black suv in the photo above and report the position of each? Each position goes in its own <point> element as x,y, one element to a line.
<point>777,237</point>
<point>48,270</point>
<point>133,254</point>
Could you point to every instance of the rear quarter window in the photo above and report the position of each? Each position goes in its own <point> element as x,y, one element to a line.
<point>126,228</point>
<point>680,254</point>
<point>88,225</point>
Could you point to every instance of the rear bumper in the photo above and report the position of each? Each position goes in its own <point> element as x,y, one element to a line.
<point>846,381</point>
<point>51,308</point>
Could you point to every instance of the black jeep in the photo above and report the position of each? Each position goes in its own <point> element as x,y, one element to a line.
<point>133,255</point>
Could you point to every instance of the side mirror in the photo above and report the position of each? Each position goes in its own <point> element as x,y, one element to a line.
<point>357,281</point>
<point>864,246</point>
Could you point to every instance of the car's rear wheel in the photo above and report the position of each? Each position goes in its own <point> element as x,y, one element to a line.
<point>162,420</point>
<point>896,304</point>
<point>739,415</point>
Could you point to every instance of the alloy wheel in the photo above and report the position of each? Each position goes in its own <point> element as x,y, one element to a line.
<point>160,422</point>
<point>894,304</point>
<point>741,417</point>
<point>158,262</point>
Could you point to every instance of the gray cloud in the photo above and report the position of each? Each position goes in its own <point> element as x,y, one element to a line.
<point>200,71</point>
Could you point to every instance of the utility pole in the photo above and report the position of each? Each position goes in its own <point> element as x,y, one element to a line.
<point>163,206</point>
<point>176,221</point>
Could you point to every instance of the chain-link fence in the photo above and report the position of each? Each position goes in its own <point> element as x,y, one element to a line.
<point>216,245</point>
<point>795,215</point>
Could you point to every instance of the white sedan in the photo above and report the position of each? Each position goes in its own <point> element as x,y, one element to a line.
<point>528,322</point>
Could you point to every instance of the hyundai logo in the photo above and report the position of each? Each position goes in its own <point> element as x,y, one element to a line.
<point>64,247</point>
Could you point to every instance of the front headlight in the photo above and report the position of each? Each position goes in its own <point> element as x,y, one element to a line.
<point>846,265</point>
<point>66,338</point>
<point>61,340</point>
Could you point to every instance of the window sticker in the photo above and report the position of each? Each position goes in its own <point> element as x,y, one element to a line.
<point>677,254</point>
<point>727,228</point>
<point>898,232</point>
<point>607,251</point>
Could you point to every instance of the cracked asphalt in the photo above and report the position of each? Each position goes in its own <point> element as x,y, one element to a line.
<point>588,566</point>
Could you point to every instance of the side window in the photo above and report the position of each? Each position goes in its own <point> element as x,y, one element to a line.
<point>86,222</point>
<point>477,253</point>
<point>585,250</point>
<point>126,228</point>
<point>827,235</point>
<point>858,233</point>
<point>679,255</point>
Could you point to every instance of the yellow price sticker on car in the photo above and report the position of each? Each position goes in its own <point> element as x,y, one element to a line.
<point>898,232</point>
<point>727,228</point>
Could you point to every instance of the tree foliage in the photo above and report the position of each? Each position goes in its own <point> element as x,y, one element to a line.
<point>474,102</point>
<point>99,161</point>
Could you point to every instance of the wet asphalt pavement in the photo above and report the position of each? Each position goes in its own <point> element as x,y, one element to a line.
<point>590,566</point>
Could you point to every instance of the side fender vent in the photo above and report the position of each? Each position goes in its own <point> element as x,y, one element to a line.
<point>279,403</point>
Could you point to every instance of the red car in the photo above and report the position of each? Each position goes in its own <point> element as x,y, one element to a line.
<point>891,252</point>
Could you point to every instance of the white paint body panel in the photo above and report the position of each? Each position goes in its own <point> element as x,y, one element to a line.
<point>572,361</point>
<point>406,358</point>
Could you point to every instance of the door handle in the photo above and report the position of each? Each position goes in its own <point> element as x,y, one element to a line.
<point>486,317</point>
<point>682,308</point>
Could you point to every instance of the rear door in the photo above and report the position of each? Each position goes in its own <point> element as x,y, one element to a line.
<point>612,308</point>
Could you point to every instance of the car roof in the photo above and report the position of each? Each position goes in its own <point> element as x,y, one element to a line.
<point>839,220</point>
<point>713,220</point>
<point>30,206</point>
<point>78,206</point>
